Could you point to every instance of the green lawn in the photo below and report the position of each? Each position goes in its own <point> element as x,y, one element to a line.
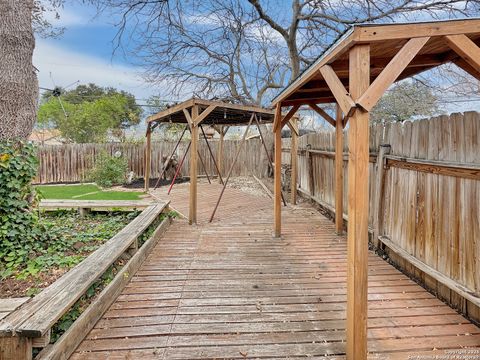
<point>85,192</point>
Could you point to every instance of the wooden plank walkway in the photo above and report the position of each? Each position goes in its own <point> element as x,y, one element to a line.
<point>229,290</point>
<point>235,203</point>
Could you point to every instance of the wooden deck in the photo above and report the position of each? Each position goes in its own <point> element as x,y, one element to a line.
<point>230,290</point>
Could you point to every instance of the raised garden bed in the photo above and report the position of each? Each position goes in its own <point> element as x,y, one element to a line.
<point>59,316</point>
<point>75,238</point>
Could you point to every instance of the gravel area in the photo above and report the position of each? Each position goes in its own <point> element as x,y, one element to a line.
<point>249,185</point>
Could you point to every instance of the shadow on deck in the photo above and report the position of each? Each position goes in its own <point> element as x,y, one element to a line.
<point>229,290</point>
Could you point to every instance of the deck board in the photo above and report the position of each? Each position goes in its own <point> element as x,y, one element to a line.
<point>10,304</point>
<point>230,290</point>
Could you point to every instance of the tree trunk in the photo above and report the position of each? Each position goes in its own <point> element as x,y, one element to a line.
<point>294,56</point>
<point>18,81</point>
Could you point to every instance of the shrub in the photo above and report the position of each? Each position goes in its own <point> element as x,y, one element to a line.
<point>21,235</point>
<point>109,170</point>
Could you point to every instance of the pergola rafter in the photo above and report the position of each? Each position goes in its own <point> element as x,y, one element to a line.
<point>353,74</point>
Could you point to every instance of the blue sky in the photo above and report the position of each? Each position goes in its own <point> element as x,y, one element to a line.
<point>84,53</point>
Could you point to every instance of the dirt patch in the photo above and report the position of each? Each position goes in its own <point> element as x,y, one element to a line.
<point>12,287</point>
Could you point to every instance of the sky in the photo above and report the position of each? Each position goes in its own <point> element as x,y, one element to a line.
<point>84,53</point>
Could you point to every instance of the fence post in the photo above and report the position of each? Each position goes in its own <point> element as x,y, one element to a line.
<point>311,184</point>
<point>294,164</point>
<point>384,149</point>
<point>148,152</point>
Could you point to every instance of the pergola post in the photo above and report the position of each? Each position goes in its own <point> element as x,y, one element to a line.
<point>339,171</point>
<point>192,216</point>
<point>293,162</point>
<point>277,185</point>
<point>357,243</point>
<point>148,154</point>
<point>220,154</point>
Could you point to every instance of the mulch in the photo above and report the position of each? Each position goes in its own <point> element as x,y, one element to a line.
<point>139,183</point>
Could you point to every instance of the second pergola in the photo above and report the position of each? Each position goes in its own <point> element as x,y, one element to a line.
<point>353,74</point>
<point>195,113</point>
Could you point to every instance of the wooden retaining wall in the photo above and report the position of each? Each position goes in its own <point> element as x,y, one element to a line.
<point>428,199</point>
<point>72,162</point>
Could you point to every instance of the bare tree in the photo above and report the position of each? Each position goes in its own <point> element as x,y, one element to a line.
<point>406,100</point>
<point>242,49</point>
<point>18,81</point>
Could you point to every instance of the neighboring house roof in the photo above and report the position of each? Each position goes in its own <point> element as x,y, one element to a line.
<point>46,137</point>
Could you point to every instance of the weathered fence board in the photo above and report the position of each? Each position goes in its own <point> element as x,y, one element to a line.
<point>430,206</point>
<point>72,162</point>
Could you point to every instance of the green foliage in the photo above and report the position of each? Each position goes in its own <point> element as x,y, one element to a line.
<point>72,238</point>
<point>405,101</point>
<point>90,113</point>
<point>109,170</point>
<point>21,236</point>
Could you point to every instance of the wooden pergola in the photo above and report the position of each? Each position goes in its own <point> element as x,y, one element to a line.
<point>220,115</point>
<point>354,73</point>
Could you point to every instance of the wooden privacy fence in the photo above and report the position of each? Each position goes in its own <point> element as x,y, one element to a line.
<point>72,162</point>
<point>424,197</point>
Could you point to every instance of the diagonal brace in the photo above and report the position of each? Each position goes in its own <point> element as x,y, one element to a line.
<point>338,90</point>
<point>391,72</point>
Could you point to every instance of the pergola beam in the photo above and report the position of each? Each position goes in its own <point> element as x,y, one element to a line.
<point>338,90</point>
<point>400,31</point>
<point>391,72</point>
<point>323,100</point>
<point>466,48</point>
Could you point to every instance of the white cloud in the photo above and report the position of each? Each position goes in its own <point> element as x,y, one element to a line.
<point>69,66</point>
